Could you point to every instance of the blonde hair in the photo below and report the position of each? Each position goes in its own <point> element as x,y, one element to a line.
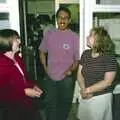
<point>103,41</point>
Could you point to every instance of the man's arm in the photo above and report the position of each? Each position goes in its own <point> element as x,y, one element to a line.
<point>43,60</point>
<point>72,68</point>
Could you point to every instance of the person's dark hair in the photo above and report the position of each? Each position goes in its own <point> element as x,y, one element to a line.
<point>103,41</point>
<point>65,10</point>
<point>44,19</point>
<point>53,19</point>
<point>6,39</point>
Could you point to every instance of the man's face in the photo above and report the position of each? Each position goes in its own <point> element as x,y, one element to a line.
<point>63,20</point>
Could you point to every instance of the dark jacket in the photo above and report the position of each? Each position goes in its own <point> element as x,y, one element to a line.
<point>13,83</point>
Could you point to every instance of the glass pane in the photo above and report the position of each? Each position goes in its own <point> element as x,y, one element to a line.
<point>4,20</point>
<point>3,1</point>
<point>108,2</point>
<point>111,22</point>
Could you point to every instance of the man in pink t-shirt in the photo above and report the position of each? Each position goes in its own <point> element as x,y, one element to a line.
<point>61,46</point>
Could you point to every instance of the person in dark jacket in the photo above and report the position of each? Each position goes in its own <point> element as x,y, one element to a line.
<point>16,90</point>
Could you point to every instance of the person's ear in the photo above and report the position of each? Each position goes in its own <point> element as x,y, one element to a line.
<point>69,20</point>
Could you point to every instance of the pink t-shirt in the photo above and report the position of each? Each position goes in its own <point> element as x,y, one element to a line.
<point>62,48</point>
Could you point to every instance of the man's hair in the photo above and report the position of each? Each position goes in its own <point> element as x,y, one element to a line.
<point>6,39</point>
<point>65,10</point>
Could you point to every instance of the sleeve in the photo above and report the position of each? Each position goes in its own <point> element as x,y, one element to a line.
<point>76,47</point>
<point>82,59</point>
<point>110,63</point>
<point>44,44</point>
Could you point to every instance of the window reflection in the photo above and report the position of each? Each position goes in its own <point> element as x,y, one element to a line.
<point>111,22</point>
<point>4,20</point>
<point>108,2</point>
<point>2,1</point>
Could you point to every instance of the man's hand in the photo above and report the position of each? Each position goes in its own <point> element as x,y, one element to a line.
<point>68,72</point>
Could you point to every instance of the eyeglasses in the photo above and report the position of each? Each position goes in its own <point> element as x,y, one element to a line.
<point>63,18</point>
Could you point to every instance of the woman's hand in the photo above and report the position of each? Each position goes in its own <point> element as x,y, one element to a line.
<point>38,89</point>
<point>85,95</point>
<point>32,92</point>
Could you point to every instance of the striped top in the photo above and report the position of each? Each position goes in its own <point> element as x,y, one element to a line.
<point>94,68</point>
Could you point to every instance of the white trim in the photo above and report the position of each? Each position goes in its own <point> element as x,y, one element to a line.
<point>88,6</point>
<point>4,8</point>
<point>106,8</point>
<point>81,26</point>
<point>14,14</point>
<point>12,8</point>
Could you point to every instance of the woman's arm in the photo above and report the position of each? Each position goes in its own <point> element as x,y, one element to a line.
<point>101,85</point>
<point>81,83</point>
<point>80,78</point>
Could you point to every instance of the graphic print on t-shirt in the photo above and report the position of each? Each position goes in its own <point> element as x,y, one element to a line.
<point>66,46</point>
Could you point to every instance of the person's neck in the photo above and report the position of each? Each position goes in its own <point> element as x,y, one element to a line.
<point>94,55</point>
<point>63,30</point>
<point>10,55</point>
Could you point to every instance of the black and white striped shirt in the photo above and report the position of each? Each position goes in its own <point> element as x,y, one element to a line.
<point>94,68</point>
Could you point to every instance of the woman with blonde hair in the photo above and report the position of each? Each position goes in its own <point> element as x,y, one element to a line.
<point>97,71</point>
